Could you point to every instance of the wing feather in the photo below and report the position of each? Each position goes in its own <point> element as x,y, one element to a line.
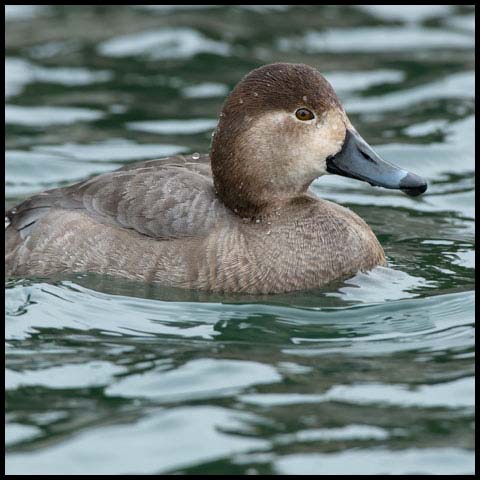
<point>166,198</point>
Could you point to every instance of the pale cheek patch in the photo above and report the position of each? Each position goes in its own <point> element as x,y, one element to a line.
<point>330,133</point>
<point>296,150</point>
<point>318,141</point>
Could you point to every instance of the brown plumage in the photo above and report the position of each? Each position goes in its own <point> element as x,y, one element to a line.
<point>253,226</point>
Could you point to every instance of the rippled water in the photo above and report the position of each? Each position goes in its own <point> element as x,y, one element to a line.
<point>372,375</point>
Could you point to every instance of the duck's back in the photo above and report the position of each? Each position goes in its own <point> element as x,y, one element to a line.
<point>145,203</point>
<point>166,198</point>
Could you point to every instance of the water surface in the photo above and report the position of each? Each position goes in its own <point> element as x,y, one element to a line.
<point>371,375</point>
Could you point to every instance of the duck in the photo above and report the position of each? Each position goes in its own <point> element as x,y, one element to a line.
<point>241,219</point>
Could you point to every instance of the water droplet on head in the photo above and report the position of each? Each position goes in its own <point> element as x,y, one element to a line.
<point>304,98</point>
<point>268,232</point>
<point>255,94</point>
<point>257,220</point>
<point>195,156</point>
<point>240,101</point>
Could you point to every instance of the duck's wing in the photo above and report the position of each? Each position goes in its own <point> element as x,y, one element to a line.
<point>166,198</point>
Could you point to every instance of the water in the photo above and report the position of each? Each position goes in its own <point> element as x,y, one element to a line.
<point>372,375</point>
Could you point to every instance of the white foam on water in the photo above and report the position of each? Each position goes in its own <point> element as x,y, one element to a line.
<point>196,379</point>
<point>36,116</point>
<point>174,127</point>
<point>205,90</point>
<point>365,39</point>
<point>163,43</point>
<point>407,13</point>
<point>359,461</point>
<point>19,73</point>
<point>79,375</point>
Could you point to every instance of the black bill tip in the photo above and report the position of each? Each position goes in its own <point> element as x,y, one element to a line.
<point>413,185</point>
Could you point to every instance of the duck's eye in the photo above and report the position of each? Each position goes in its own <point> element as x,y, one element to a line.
<point>304,114</point>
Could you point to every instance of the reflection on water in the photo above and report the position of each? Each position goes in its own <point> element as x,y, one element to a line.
<point>372,375</point>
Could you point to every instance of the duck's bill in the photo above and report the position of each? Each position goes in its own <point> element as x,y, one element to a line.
<point>358,160</point>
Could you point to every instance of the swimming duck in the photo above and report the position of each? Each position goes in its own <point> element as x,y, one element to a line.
<point>241,219</point>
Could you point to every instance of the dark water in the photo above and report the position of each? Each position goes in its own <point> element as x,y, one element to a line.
<point>373,375</point>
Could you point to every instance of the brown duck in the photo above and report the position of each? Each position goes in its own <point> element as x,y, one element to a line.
<point>241,219</point>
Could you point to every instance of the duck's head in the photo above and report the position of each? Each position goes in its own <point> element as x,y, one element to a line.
<point>280,128</point>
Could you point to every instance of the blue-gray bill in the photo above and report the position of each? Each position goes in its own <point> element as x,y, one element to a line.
<point>358,160</point>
